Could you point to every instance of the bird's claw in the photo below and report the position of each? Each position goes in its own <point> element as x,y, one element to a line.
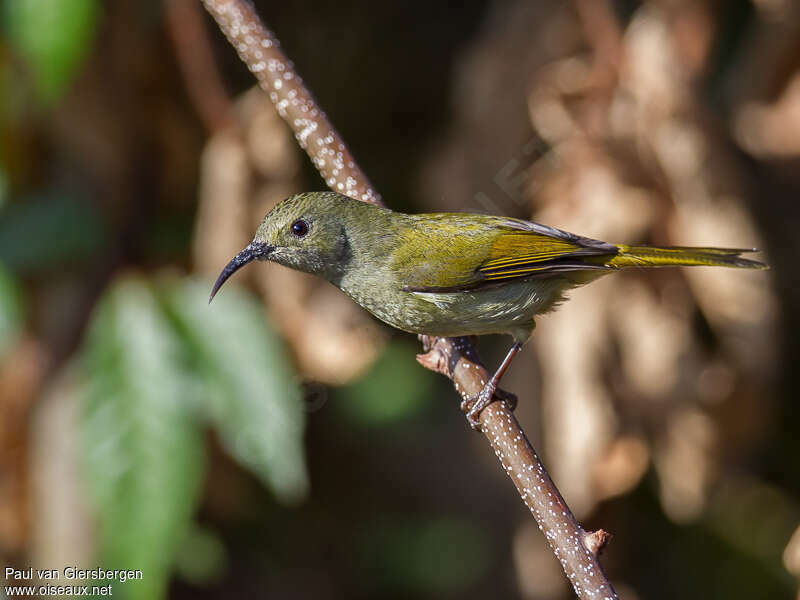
<point>474,406</point>
<point>508,397</point>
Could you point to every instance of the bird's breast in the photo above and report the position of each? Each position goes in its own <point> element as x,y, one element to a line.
<point>498,309</point>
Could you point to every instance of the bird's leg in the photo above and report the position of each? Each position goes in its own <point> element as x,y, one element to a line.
<point>484,397</point>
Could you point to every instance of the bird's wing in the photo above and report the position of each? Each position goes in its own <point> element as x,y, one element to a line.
<point>489,252</point>
<point>540,251</point>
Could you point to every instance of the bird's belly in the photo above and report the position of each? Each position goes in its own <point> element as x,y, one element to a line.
<point>509,308</point>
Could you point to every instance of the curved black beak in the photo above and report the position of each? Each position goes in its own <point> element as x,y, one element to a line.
<point>253,251</point>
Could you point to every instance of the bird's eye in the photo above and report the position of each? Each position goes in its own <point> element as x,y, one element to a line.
<point>299,228</point>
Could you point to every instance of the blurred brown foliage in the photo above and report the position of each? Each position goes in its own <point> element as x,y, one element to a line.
<point>663,401</point>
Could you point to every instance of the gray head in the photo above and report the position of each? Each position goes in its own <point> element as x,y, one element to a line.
<point>308,232</point>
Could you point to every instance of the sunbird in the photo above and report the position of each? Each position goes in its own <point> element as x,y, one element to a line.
<point>449,274</point>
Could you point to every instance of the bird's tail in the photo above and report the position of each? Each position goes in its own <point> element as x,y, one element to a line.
<point>647,256</point>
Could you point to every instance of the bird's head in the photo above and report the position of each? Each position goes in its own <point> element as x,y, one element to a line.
<point>307,232</point>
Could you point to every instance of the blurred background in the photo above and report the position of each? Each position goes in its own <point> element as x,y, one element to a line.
<point>284,444</point>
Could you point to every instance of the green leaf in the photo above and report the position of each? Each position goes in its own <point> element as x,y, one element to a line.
<point>394,390</point>
<point>254,401</point>
<point>3,187</point>
<point>143,451</point>
<point>202,558</point>
<point>65,230</point>
<point>434,557</point>
<point>10,312</point>
<point>53,36</point>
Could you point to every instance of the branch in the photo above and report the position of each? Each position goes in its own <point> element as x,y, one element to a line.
<point>260,51</point>
<point>455,358</point>
<point>575,548</point>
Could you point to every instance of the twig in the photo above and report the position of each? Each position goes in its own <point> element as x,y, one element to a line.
<point>456,358</point>
<point>195,59</point>
<point>602,31</point>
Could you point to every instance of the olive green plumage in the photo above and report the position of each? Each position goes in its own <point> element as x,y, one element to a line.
<point>447,274</point>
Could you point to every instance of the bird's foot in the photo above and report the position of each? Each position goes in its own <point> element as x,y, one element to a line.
<point>474,406</point>
<point>508,397</point>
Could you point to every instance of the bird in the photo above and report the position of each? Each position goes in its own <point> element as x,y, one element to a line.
<point>449,274</point>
